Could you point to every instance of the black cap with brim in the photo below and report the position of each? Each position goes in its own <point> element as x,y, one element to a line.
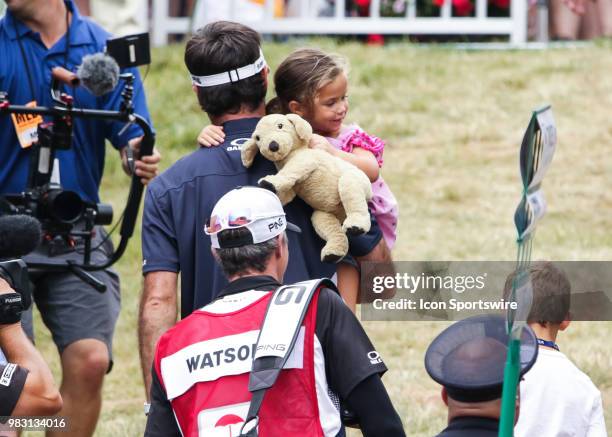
<point>468,358</point>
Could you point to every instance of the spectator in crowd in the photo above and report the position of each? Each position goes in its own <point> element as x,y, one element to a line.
<point>468,360</point>
<point>572,402</point>
<point>574,19</point>
<point>119,17</point>
<point>242,11</point>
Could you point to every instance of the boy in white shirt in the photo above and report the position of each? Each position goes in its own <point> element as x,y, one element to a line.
<point>557,398</point>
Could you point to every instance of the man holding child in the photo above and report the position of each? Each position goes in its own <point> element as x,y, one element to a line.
<point>230,79</point>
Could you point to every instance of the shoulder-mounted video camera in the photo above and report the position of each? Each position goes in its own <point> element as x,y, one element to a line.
<point>66,217</point>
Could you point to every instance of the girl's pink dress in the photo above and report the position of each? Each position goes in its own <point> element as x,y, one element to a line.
<point>383,203</point>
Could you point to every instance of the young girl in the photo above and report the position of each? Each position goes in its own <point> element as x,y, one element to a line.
<point>313,85</point>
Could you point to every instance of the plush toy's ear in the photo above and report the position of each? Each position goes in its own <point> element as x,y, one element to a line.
<point>248,152</point>
<point>302,127</point>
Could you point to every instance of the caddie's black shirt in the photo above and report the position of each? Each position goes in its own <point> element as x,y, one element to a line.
<point>180,200</point>
<point>349,355</point>
<point>12,380</point>
<point>470,426</point>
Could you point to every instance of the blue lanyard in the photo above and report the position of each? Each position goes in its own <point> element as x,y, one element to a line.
<point>548,343</point>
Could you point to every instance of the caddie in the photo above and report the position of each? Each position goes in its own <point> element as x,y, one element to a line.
<point>203,367</point>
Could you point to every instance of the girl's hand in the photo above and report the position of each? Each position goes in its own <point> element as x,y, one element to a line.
<point>211,136</point>
<point>320,142</point>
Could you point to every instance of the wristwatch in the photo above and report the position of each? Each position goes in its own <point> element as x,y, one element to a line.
<point>147,408</point>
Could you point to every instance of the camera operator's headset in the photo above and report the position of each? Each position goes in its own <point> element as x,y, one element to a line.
<point>288,306</point>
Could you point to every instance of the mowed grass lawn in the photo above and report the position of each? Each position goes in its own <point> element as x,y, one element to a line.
<point>453,121</point>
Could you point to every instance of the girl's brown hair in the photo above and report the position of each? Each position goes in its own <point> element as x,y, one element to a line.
<point>301,75</point>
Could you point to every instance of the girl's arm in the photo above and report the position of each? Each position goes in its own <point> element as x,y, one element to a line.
<point>363,159</point>
<point>211,135</point>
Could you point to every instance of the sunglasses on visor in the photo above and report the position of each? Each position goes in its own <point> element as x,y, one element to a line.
<point>218,223</point>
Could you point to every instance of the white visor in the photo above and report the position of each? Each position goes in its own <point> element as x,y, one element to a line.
<point>256,209</point>
<point>231,76</point>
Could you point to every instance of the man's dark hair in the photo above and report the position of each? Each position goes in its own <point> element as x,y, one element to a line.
<point>244,258</point>
<point>222,46</point>
<point>551,293</point>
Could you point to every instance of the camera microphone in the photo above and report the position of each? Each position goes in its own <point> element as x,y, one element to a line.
<point>98,73</point>
<point>19,235</point>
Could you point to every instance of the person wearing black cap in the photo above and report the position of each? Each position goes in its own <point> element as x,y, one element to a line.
<point>201,366</point>
<point>468,360</point>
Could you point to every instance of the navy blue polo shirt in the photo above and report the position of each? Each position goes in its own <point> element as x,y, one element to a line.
<point>82,166</point>
<point>180,200</point>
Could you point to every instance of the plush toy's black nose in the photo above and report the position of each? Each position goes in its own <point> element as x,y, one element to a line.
<point>273,146</point>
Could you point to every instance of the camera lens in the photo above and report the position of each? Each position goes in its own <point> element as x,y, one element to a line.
<point>65,206</point>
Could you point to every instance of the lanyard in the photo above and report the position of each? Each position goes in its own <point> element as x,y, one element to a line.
<point>548,343</point>
<point>25,59</point>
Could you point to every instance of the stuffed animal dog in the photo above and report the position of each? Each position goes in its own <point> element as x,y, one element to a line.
<point>336,190</point>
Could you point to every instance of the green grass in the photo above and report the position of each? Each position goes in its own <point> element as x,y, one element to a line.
<point>453,121</point>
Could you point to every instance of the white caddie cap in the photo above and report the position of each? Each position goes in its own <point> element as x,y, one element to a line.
<point>256,209</point>
<point>230,76</point>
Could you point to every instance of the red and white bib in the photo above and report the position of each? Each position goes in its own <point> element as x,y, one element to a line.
<point>203,363</point>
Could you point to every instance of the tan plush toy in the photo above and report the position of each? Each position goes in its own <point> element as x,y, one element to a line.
<point>336,190</point>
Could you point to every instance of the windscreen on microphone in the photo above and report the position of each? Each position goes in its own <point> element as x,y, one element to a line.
<point>99,73</point>
<point>19,235</point>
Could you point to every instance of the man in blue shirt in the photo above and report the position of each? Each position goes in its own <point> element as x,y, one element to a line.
<point>228,67</point>
<point>35,36</point>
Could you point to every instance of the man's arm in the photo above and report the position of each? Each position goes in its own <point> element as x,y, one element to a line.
<point>597,423</point>
<point>123,137</point>
<point>158,304</point>
<point>353,367</point>
<point>370,402</point>
<point>40,396</point>
<point>161,421</point>
<point>157,314</point>
<point>370,246</point>
<point>146,167</point>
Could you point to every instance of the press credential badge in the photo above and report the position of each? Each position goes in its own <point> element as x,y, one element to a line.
<point>26,126</point>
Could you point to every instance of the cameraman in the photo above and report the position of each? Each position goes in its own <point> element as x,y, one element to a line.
<point>26,384</point>
<point>35,36</point>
